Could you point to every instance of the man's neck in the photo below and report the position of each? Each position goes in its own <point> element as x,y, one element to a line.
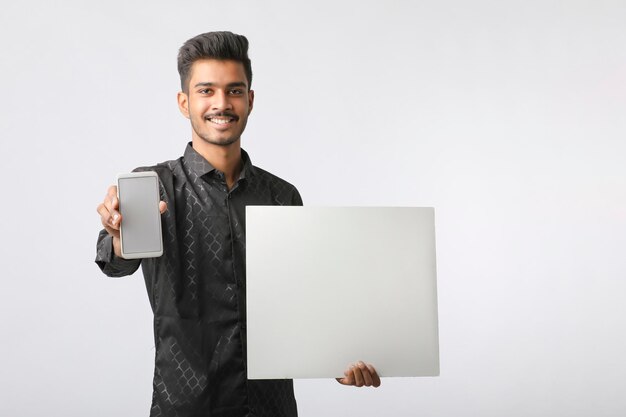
<point>226,159</point>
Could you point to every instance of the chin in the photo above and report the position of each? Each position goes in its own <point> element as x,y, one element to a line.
<point>221,142</point>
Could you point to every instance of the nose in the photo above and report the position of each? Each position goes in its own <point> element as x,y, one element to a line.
<point>221,101</point>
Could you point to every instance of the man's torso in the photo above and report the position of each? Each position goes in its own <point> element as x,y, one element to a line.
<point>197,292</point>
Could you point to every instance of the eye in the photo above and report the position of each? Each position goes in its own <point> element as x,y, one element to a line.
<point>205,91</point>
<point>235,91</point>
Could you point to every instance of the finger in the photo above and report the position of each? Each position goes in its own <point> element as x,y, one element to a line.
<point>348,379</point>
<point>106,219</point>
<point>374,374</point>
<point>110,218</point>
<point>358,376</point>
<point>162,206</point>
<point>367,376</point>
<point>112,194</point>
<point>111,203</point>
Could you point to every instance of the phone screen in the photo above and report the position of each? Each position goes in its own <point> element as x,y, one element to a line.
<point>141,220</point>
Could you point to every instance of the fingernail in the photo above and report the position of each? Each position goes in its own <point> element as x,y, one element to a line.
<point>115,217</point>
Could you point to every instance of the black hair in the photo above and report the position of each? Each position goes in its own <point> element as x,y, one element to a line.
<point>213,45</point>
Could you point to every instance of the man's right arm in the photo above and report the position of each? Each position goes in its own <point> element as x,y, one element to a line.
<point>109,249</point>
<point>111,264</point>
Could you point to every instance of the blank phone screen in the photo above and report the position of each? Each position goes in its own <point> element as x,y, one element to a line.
<point>141,220</point>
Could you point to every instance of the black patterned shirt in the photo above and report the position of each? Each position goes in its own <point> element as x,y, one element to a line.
<point>197,291</point>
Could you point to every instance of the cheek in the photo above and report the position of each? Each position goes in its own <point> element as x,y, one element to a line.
<point>197,109</point>
<point>198,103</point>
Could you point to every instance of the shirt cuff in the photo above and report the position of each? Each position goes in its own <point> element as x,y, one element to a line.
<point>109,263</point>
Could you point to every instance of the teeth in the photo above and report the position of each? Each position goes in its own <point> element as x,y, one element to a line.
<point>220,121</point>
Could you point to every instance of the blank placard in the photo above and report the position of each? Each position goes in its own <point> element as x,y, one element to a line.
<point>327,286</point>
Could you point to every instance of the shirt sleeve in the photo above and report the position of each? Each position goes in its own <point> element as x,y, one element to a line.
<point>109,263</point>
<point>296,200</point>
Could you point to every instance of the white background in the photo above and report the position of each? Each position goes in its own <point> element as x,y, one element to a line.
<point>506,116</point>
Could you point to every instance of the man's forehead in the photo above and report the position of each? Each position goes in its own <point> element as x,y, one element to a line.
<point>218,69</point>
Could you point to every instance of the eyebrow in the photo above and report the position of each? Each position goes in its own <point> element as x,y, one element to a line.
<point>229,85</point>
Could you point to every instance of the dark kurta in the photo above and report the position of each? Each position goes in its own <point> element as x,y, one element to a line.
<point>197,291</point>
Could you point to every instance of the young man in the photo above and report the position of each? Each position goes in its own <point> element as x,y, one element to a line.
<point>197,288</point>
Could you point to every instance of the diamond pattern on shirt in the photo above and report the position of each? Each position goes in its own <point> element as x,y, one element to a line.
<point>197,291</point>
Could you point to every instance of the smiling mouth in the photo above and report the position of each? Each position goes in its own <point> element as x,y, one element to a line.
<point>221,120</point>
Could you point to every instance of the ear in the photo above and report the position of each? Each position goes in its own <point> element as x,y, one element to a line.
<point>250,101</point>
<point>183,103</point>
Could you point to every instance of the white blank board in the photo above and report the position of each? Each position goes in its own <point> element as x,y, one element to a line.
<point>328,286</point>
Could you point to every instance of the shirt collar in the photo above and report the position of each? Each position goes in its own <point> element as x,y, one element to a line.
<point>201,166</point>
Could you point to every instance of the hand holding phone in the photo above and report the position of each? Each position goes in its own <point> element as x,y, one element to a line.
<point>111,217</point>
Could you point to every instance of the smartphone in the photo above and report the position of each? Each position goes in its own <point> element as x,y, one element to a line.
<point>140,231</point>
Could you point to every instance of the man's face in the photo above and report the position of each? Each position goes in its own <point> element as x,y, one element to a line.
<point>218,101</point>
